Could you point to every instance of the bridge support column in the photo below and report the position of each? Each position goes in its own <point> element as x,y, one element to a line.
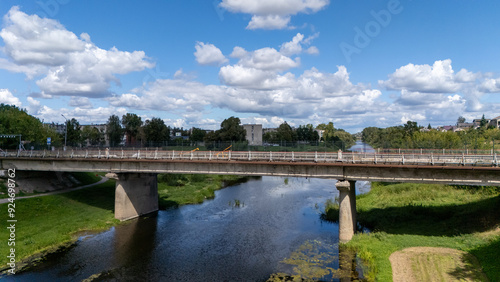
<point>136,194</point>
<point>347,209</point>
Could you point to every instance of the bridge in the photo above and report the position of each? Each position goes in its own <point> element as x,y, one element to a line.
<point>136,191</point>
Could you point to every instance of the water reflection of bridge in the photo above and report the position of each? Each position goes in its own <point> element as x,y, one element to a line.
<point>136,187</point>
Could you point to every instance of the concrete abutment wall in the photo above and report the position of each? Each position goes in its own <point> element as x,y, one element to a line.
<point>136,194</point>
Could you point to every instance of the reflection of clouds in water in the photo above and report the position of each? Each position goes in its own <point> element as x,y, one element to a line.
<point>314,191</point>
<point>219,213</point>
<point>293,185</point>
<point>361,147</point>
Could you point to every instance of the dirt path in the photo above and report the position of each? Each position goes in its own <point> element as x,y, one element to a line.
<point>435,264</point>
<point>103,179</point>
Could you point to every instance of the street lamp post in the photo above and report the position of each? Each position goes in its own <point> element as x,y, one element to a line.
<point>65,131</point>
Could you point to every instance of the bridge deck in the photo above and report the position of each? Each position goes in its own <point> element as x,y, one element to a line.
<point>421,158</point>
<point>423,168</point>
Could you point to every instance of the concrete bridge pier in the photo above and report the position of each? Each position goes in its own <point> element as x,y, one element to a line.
<point>136,194</point>
<point>347,209</point>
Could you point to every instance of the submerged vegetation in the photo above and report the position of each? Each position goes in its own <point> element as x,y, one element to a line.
<point>406,215</point>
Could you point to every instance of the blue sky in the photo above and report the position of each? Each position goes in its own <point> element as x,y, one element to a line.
<point>196,62</point>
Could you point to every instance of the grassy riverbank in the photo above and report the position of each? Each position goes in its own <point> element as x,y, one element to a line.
<point>47,223</point>
<point>415,215</point>
<point>181,189</point>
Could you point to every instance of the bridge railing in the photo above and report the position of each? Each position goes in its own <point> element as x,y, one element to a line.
<point>414,158</point>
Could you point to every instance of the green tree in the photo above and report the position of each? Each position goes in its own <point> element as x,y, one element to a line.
<point>156,132</point>
<point>460,119</point>
<point>210,137</point>
<point>131,125</point>
<point>286,133</point>
<point>371,135</point>
<point>329,131</point>
<point>14,120</point>
<point>92,135</point>
<point>307,133</point>
<point>197,134</point>
<point>231,130</point>
<point>73,133</point>
<point>270,136</point>
<point>346,139</point>
<point>483,122</point>
<point>410,127</point>
<point>114,131</point>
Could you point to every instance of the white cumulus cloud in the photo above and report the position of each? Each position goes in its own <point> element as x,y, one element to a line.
<point>273,14</point>
<point>7,98</point>
<point>438,78</point>
<point>208,54</point>
<point>71,66</point>
<point>427,85</point>
<point>268,59</point>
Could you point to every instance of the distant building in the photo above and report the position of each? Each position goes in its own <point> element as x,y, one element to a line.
<point>495,122</point>
<point>477,122</point>
<point>465,125</point>
<point>447,128</point>
<point>253,133</point>
<point>320,133</point>
<point>59,128</point>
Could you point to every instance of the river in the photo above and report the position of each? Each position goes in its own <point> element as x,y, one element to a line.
<point>277,219</point>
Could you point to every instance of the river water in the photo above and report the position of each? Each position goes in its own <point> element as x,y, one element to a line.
<point>275,228</point>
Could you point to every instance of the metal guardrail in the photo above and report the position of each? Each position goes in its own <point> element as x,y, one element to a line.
<point>419,158</point>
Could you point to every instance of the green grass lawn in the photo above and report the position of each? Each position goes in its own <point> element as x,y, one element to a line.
<point>412,215</point>
<point>47,222</point>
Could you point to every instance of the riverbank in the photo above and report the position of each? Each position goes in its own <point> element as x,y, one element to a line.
<point>175,190</point>
<point>420,215</point>
<point>46,224</point>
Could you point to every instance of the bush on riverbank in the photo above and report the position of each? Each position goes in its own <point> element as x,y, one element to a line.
<point>409,215</point>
